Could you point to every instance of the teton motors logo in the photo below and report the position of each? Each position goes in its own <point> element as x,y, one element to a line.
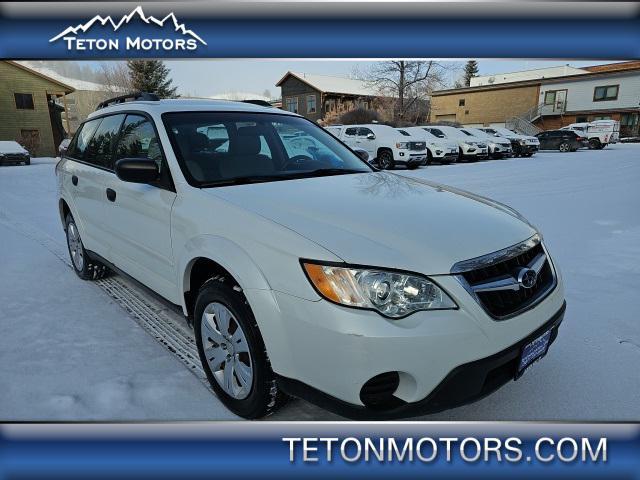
<point>143,34</point>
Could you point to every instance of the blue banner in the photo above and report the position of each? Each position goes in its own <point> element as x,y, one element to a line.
<point>419,30</point>
<point>319,450</point>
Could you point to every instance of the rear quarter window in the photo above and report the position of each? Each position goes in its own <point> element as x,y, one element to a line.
<point>82,138</point>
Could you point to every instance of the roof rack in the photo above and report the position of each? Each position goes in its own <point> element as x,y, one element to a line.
<point>130,97</point>
<point>260,103</point>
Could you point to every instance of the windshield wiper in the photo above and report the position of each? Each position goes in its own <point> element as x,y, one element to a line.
<point>243,180</point>
<point>330,171</point>
<point>320,172</point>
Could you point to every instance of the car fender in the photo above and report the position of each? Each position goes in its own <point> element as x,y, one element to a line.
<point>255,287</point>
<point>228,255</point>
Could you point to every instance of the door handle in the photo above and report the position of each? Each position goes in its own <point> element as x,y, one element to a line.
<point>111,195</point>
<point>74,180</point>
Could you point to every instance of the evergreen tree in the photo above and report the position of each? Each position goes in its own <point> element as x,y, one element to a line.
<point>151,76</point>
<point>470,70</point>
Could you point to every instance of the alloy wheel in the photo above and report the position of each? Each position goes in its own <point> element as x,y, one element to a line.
<point>385,160</point>
<point>226,350</point>
<point>75,246</point>
<point>564,147</point>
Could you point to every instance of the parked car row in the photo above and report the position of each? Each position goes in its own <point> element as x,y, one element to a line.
<point>388,147</point>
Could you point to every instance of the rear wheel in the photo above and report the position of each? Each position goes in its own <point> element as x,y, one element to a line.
<point>595,144</point>
<point>85,267</point>
<point>27,161</point>
<point>564,147</point>
<point>232,351</point>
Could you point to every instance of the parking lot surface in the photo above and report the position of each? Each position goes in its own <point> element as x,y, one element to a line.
<point>72,350</point>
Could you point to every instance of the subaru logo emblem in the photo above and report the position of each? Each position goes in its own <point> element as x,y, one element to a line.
<point>527,277</point>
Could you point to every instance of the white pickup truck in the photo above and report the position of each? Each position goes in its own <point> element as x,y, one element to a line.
<point>385,145</point>
<point>600,133</point>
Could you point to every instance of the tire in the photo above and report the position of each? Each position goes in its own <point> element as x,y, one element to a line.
<point>517,151</point>
<point>241,341</point>
<point>85,267</point>
<point>27,161</point>
<point>429,159</point>
<point>460,156</point>
<point>385,160</point>
<point>564,147</point>
<point>594,144</point>
<point>412,166</point>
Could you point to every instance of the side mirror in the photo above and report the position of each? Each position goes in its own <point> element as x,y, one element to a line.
<point>363,154</point>
<point>371,136</point>
<point>137,170</point>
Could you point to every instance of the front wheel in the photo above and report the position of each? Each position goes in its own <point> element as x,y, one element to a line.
<point>85,267</point>
<point>564,147</point>
<point>232,351</point>
<point>385,160</point>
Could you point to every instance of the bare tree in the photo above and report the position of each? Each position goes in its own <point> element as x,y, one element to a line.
<point>116,77</point>
<point>408,81</point>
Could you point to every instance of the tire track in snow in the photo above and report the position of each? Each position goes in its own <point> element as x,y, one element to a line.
<point>154,319</point>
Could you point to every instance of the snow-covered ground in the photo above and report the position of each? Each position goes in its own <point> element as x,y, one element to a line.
<point>68,350</point>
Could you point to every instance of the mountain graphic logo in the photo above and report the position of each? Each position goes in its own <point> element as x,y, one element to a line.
<point>168,20</point>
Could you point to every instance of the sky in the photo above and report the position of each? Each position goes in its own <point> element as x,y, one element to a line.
<point>211,77</point>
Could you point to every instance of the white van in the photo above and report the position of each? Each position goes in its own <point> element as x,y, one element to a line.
<point>600,133</point>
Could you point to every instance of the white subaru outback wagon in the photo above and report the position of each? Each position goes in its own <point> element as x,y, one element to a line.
<point>307,274</point>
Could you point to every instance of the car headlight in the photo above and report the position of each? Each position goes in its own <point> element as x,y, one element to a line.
<point>392,294</point>
<point>522,142</point>
<point>402,145</point>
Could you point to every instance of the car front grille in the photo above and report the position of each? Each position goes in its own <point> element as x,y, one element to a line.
<point>417,145</point>
<point>14,157</point>
<point>496,287</point>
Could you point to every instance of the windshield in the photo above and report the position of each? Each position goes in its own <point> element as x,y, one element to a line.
<point>231,148</point>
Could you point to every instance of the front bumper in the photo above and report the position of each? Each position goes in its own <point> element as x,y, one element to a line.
<point>12,159</point>
<point>322,351</point>
<point>464,384</point>
<point>410,159</point>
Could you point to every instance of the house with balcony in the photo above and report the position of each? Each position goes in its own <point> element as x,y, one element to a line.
<point>316,96</point>
<point>529,104</point>
<point>33,108</point>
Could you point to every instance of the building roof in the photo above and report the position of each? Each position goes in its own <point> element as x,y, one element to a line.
<point>329,84</point>
<point>73,82</point>
<point>66,88</point>
<point>239,96</point>
<point>614,67</point>
<point>540,81</point>
<point>522,75</point>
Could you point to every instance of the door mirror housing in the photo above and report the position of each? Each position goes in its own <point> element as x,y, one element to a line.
<point>137,170</point>
<point>363,154</point>
<point>371,136</point>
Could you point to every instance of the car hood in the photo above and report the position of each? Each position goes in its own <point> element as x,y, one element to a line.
<point>9,148</point>
<point>386,220</point>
